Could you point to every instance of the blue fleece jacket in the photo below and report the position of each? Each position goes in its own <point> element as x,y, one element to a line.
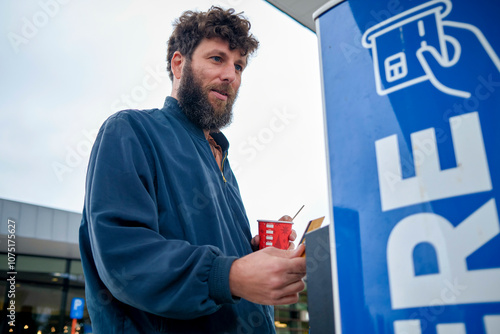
<point>161,228</point>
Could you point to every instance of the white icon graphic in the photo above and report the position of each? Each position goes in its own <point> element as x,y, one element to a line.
<point>413,327</point>
<point>430,182</point>
<point>491,324</point>
<point>399,45</point>
<point>395,67</point>
<point>454,283</point>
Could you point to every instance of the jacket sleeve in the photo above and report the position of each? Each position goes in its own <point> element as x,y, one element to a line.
<point>139,266</point>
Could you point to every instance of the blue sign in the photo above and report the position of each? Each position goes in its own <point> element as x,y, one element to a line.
<point>412,108</point>
<point>77,307</point>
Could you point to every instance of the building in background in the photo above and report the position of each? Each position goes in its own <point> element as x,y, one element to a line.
<point>41,253</point>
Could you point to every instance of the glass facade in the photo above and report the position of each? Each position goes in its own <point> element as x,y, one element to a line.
<point>292,319</point>
<point>44,289</point>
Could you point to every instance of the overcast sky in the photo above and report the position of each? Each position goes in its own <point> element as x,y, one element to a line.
<point>67,65</point>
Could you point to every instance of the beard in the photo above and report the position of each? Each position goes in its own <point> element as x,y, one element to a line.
<point>195,104</point>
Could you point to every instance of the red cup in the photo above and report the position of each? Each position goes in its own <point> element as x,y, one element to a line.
<point>274,233</point>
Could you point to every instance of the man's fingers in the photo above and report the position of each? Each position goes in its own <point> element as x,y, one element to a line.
<point>277,280</point>
<point>286,218</point>
<point>287,300</point>
<point>294,287</point>
<point>291,293</point>
<point>255,243</point>
<point>297,266</point>
<point>286,292</point>
<point>289,253</point>
<point>296,270</point>
<point>293,265</point>
<point>299,251</point>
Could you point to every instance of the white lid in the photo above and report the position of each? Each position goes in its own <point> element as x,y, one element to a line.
<point>273,221</point>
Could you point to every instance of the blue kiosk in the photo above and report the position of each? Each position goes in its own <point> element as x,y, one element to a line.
<point>411,95</point>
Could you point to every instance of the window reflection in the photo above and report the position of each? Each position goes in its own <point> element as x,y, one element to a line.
<point>37,307</point>
<point>45,288</point>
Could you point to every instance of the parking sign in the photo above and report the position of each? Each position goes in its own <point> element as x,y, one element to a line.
<point>412,108</point>
<point>77,308</point>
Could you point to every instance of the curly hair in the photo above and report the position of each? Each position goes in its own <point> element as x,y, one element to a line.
<point>192,27</point>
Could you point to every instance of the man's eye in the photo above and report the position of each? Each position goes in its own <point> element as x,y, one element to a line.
<point>217,58</point>
<point>238,68</point>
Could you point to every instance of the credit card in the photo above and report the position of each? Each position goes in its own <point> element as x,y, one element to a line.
<point>311,226</point>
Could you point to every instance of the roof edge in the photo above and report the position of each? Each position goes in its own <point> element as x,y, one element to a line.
<point>327,6</point>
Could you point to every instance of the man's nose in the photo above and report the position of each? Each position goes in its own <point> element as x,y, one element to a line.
<point>228,73</point>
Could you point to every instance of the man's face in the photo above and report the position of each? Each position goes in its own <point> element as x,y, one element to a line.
<point>210,83</point>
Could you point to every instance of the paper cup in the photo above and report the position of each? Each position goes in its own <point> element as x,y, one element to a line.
<point>274,233</point>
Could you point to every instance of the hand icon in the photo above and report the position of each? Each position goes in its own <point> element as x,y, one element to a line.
<point>417,45</point>
<point>474,51</point>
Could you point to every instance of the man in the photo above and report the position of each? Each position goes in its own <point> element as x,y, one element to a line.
<point>165,241</point>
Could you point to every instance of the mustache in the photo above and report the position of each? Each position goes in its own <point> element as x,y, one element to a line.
<point>224,88</point>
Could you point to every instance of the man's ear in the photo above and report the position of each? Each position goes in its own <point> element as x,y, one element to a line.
<point>177,63</point>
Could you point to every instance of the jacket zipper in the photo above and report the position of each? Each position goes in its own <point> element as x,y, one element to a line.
<point>237,223</point>
<point>223,160</point>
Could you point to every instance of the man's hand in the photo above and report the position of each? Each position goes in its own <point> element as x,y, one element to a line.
<point>291,246</point>
<point>270,276</point>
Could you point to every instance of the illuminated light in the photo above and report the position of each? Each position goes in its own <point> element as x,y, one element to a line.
<point>26,327</point>
<point>280,324</point>
<point>53,329</point>
<point>304,316</point>
<point>55,279</point>
<point>11,330</point>
<point>57,274</point>
<point>39,332</point>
